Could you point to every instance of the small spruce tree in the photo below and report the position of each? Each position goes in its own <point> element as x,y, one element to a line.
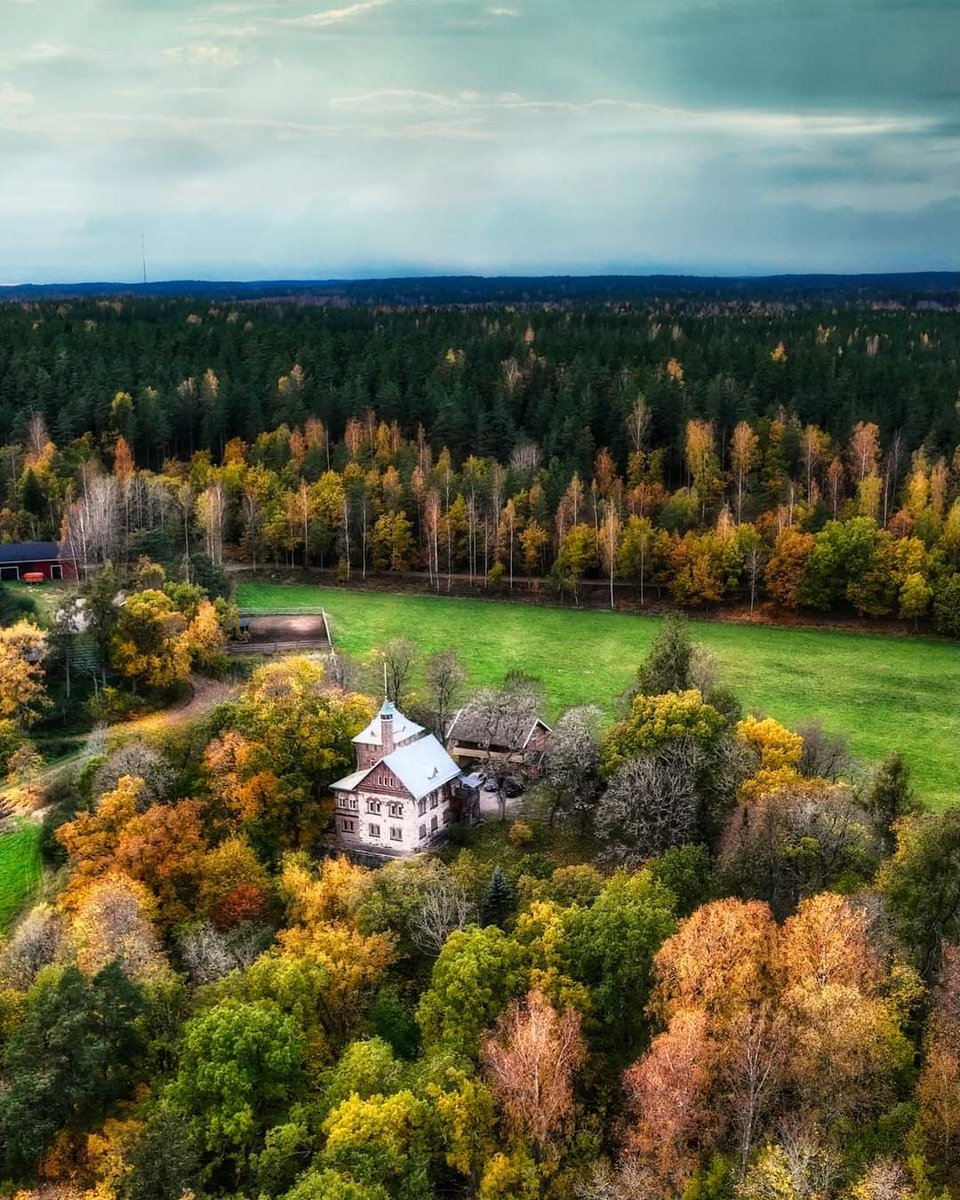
<point>498,900</point>
<point>889,797</point>
<point>667,667</point>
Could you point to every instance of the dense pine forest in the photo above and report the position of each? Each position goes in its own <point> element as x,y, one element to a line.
<point>704,449</point>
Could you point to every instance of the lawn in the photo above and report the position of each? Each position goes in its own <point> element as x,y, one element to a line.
<point>20,871</point>
<point>884,693</point>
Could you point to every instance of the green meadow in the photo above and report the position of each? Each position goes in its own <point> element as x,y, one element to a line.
<point>885,693</point>
<point>20,871</point>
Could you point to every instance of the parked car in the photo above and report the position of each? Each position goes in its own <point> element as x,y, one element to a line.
<point>512,788</point>
<point>490,785</point>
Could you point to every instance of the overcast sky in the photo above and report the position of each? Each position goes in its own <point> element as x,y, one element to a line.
<point>293,138</point>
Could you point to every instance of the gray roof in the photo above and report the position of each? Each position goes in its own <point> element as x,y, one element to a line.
<point>422,766</point>
<point>469,726</point>
<point>349,782</point>
<point>403,727</point>
<point>29,552</point>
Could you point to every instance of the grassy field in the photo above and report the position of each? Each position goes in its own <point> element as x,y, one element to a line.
<point>885,693</point>
<point>20,871</point>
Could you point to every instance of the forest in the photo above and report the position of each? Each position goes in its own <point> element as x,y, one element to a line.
<point>709,956</point>
<point>697,452</point>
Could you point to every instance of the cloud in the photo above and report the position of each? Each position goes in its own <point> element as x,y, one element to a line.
<point>503,12</point>
<point>205,56</point>
<point>12,99</point>
<point>44,52</point>
<point>333,16</point>
<point>640,114</point>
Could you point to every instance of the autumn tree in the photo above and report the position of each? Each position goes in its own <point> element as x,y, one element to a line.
<point>23,646</point>
<point>784,573</point>
<point>531,1062</point>
<point>744,456</point>
<point>938,1089</point>
<point>655,720</point>
<point>668,1090</point>
<point>299,731</point>
<point>572,764</point>
<point>111,921</point>
<point>701,459</point>
<point>147,646</point>
<point>445,677</point>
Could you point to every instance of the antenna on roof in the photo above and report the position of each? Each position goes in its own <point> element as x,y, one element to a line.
<point>385,696</point>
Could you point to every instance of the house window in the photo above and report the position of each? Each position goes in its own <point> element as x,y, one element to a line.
<point>348,826</point>
<point>373,830</point>
<point>433,800</point>
<point>423,832</point>
<point>373,806</point>
<point>56,571</point>
<point>421,807</point>
<point>353,802</point>
<point>396,810</point>
<point>433,824</point>
<point>447,816</point>
<point>396,833</point>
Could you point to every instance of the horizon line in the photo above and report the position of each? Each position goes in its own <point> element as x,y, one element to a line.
<point>318,280</point>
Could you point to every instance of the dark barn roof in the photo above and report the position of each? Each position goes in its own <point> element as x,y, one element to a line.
<point>32,552</point>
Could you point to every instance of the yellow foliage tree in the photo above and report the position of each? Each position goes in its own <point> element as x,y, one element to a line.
<point>22,696</point>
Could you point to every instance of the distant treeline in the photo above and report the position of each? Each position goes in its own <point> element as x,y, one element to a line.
<point>720,453</point>
<point>477,382</point>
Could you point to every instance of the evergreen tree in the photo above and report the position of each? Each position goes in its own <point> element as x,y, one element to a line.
<point>498,900</point>
<point>889,797</point>
<point>67,1061</point>
<point>667,667</point>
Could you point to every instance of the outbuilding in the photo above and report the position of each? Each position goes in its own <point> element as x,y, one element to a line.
<point>42,560</point>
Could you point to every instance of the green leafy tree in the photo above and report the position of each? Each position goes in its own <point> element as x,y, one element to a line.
<point>921,883</point>
<point>331,1185</point>
<point>241,1067</point>
<point>889,797</point>
<point>164,1164</point>
<point>71,1056</point>
<point>477,973</point>
<point>498,901</point>
<point>609,947</point>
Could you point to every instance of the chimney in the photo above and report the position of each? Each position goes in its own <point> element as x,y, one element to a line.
<point>386,727</point>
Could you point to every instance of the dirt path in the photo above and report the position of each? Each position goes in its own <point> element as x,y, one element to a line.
<point>207,694</point>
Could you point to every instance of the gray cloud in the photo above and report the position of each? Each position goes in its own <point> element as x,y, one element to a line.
<point>291,137</point>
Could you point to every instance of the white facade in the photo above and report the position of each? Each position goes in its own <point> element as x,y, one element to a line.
<point>400,801</point>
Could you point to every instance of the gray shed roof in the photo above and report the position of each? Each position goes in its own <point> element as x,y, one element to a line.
<point>30,552</point>
<point>469,726</point>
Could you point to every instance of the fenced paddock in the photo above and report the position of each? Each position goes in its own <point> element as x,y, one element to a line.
<point>282,633</point>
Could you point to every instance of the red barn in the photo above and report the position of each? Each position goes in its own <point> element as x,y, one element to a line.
<point>49,560</point>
